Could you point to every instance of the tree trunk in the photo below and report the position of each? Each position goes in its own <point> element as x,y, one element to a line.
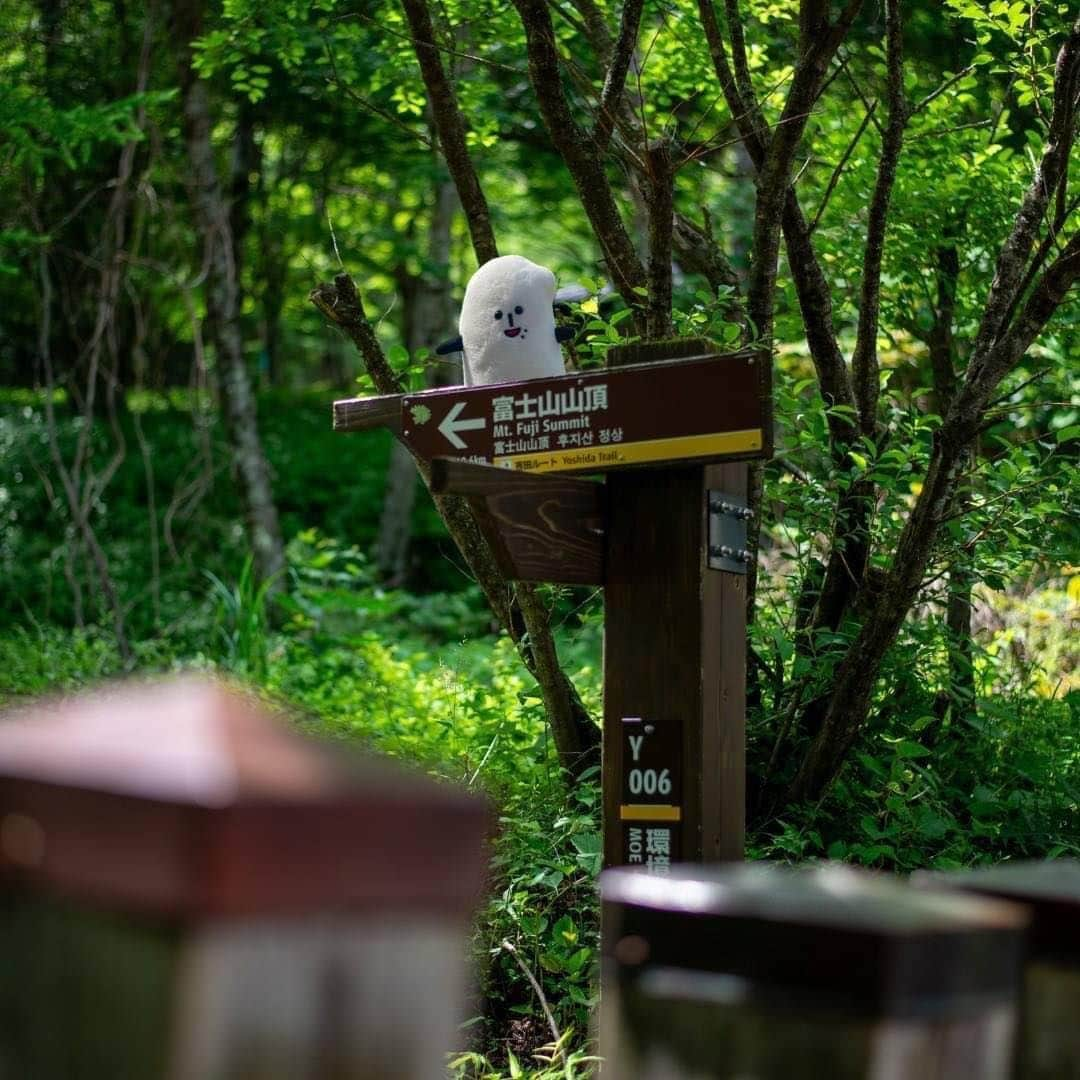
<point>959,698</point>
<point>962,700</point>
<point>517,606</point>
<point>222,307</point>
<point>427,317</point>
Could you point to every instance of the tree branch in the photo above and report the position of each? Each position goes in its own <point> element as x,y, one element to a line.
<point>517,607</point>
<point>660,195</point>
<point>580,155</point>
<point>835,178</point>
<point>812,289</point>
<point>451,130</point>
<point>947,85</point>
<point>864,360</point>
<point>615,80</point>
<point>1014,254</point>
<point>854,679</point>
<point>746,114</point>
<point>696,249</point>
<point>774,173</point>
<point>742,68</point>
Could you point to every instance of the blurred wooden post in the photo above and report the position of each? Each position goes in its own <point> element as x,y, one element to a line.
<point>190,890</point>
<point>1050,1032</point>
<point>768,973</point>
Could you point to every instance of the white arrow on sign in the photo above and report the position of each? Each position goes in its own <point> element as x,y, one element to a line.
<point>451,425</point>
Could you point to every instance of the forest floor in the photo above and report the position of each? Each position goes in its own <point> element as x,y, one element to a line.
<point>419,673</point>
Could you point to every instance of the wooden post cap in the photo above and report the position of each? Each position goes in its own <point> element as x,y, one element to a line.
<point>847,939</point>
<point>185,796</point>
<point>1049,890</point>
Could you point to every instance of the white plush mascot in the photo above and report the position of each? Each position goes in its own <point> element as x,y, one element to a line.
<point>507,323</point>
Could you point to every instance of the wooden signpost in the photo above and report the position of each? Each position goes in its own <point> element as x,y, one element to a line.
<point>668,426</point>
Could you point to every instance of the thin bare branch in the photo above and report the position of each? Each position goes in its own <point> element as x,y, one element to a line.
<point>539,991</point>
<point>446,50</point>
<point>835,178</point>
<point>936,133</point>
<point>947,85</point>
<point>860,94</point>
<point>335,80</point>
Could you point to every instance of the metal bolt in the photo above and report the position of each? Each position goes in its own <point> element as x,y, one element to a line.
<point>726,552</point>
<point>743,513</point>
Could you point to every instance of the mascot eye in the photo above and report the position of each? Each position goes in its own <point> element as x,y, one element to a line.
<point>498,315</point>
<point>518,310</point>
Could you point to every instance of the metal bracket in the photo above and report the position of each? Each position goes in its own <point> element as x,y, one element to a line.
<point>728,515</point>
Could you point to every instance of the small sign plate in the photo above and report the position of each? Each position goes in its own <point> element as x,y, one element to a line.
<point>707,407</point>
<point>650,807</point>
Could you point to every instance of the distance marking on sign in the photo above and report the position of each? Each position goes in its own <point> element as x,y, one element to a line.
<point>650,767</point>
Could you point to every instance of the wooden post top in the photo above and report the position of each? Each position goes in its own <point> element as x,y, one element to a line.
<point>849,939</point>
<point>1049,890</point>
<point>186,797</point>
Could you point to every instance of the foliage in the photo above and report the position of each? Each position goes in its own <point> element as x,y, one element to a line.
<point>326,101</point>
<point>419,677</point>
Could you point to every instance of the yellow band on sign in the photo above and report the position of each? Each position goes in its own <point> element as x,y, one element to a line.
<point>649,812</point>
<point>606,455</point>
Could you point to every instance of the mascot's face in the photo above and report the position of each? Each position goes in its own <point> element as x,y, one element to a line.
<point>508,322</point>
<point>512,331</point>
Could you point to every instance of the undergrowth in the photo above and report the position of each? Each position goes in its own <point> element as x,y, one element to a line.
<point>420,675</point>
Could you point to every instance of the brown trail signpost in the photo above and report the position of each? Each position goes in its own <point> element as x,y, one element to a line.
<point>664,533</point>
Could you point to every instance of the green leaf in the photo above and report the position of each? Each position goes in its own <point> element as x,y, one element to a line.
<point>905,748</point>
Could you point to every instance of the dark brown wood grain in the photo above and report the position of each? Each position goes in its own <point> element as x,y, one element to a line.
<point>674,652</point>
<point>674,649</point>
<point>541,528</point>
<point>723,674</point>
<point>690,402</point>
<point>365,414</point>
